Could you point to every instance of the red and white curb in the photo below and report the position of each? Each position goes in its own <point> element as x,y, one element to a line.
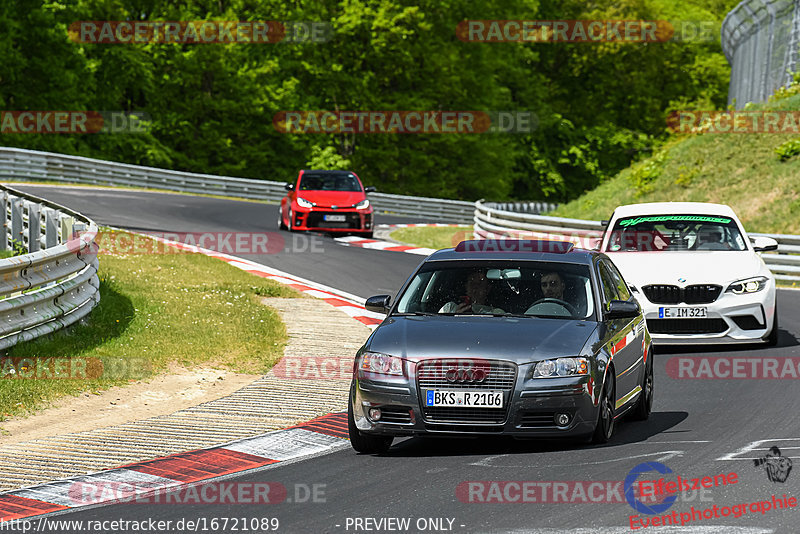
<point>377,244</point>
<point>318,436</point>
<point>350,304</point>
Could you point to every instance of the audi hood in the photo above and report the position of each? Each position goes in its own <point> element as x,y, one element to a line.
<point>519,339</point>
<point>687,267</point>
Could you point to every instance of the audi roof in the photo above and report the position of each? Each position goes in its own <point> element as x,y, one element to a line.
<point>515,249</point>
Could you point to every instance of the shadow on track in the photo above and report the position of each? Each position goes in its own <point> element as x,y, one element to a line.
<point>627,432</point>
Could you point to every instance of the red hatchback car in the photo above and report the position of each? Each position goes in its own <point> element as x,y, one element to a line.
<point>327,201</point>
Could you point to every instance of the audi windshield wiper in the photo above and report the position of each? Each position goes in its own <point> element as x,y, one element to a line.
<point>424,314</point>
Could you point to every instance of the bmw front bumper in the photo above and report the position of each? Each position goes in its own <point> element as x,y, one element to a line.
<point>732,318</point>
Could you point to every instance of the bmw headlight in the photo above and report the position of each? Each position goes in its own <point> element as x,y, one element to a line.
<point>364,204</point>
<point>303,203</point>
<point>748,285</point>
<point>383,364</point>
<point>560,367</point>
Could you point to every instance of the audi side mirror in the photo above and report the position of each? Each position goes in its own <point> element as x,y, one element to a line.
<point>289,187</point>
<point>370,189</point>
<point>622,309</point>
<point>378,303</point>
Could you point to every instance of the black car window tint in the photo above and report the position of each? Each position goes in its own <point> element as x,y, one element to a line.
<point>622,288</point>
<point>609,287</point>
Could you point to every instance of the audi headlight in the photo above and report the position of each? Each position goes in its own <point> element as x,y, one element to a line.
<point>364,204</point>
<point>748,285</point>
<point>303,203</point>
<point>560,367</point>
<point>383,364</point>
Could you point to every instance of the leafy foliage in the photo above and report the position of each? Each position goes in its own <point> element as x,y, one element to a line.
<point>600,106</point>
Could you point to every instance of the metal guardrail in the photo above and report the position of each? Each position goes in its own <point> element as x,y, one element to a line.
<point>493,223</point>
<point>761,39</point>
<point>30,165</point>
<point>55,283</point>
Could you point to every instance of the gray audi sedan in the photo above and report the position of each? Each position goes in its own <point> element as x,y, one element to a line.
<point>532,339</point>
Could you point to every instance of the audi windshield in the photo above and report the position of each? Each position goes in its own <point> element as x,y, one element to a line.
<point>501,288</point>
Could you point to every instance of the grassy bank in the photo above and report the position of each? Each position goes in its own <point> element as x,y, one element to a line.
<point>155,309</point>
<point>433,237</point>
<point>742,170</point>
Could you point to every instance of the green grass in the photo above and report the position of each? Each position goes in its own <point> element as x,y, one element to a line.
<point>741,170</point>
<point>155,309</point>
<point>433,237</point>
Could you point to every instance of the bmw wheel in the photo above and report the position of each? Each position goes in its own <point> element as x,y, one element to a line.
<point>772,338</point>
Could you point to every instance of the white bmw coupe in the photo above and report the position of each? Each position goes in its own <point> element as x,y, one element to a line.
<point>695,272</point>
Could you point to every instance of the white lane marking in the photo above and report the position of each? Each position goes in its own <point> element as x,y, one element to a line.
<point>754,446</point>
<point>287,444</point>
<point>681,441</point>
<point>70,492</point>
<point>665,455</point>
<point>486,462</point>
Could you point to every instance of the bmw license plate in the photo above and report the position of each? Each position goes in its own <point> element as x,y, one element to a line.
<point>681,313</point>
<point>464,399</point>
<point>334,218</point>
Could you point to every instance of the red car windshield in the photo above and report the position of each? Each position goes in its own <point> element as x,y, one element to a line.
<point>329,182</point>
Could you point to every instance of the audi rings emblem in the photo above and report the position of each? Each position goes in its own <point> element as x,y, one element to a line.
<point>464,376</point>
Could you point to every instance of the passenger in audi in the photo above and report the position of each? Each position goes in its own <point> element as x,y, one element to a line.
<point>552,285</point>
<point>476,289</point>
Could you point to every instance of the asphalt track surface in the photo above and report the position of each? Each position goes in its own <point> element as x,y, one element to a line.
<point>698,427</point>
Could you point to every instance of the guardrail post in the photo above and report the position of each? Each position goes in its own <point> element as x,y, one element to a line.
<point>65,228</point>
<point>14,220</point>
<point>4,234</point>
<point>30,223</point>
<point>48,225</point>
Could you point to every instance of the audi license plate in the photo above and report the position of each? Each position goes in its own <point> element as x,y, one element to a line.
<point>334,218</point>
<point>464,399</point>
<point>677,313</point>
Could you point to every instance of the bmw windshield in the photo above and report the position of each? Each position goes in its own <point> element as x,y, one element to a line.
<point>500,288</point>
<point>659,233</point>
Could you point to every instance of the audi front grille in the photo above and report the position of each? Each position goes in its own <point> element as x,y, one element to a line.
<point>496,376</point>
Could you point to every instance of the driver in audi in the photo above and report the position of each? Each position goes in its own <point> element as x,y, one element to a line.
<point>476,291</point>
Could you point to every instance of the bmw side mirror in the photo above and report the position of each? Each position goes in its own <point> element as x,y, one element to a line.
<point>764,244</point>
<point>378,303</point>
<point>370,189</point>
<point>623,309</point>
<point>289,187</point>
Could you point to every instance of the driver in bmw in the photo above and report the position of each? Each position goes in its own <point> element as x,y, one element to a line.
<point>474,301</point>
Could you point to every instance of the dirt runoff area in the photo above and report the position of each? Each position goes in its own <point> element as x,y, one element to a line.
<point>180,388</point>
